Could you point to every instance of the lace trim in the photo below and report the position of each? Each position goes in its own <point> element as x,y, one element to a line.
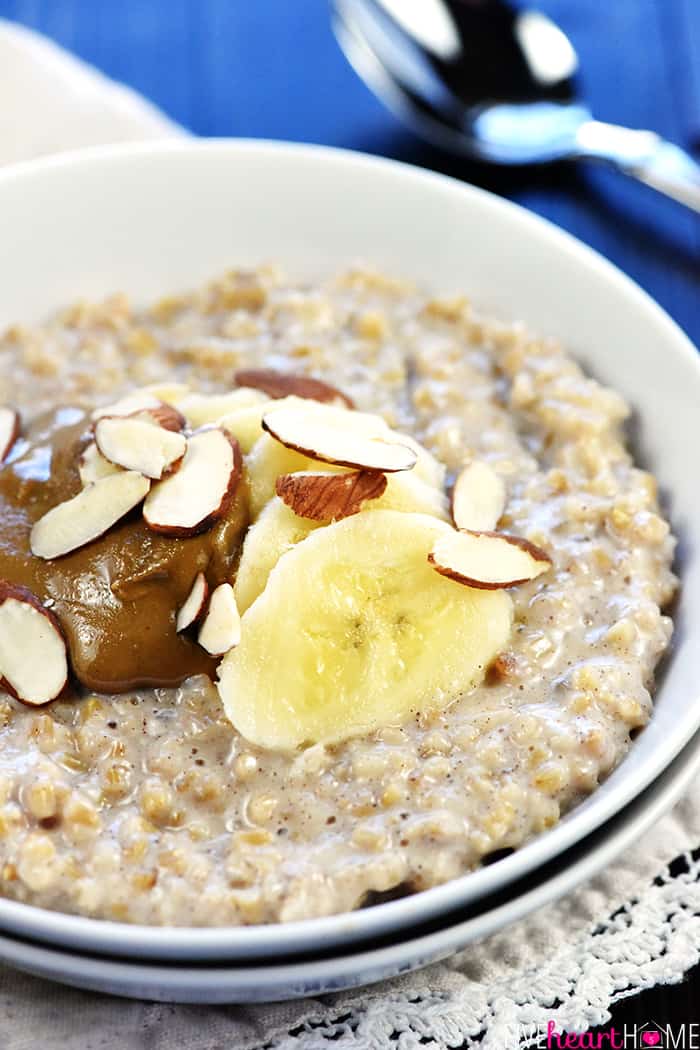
<point>652,939</point>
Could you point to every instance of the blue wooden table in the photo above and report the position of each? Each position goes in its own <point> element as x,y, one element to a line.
<point>271,68</point>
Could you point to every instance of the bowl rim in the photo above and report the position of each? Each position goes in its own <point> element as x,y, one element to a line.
<point>348,968</point>
<point>249,942</point>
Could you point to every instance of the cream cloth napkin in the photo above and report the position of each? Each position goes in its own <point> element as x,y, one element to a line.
<point>634,926</point>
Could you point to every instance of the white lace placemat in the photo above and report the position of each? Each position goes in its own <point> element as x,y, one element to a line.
<point>636,925</point>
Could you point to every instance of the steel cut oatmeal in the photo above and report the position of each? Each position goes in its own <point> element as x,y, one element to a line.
<point>153,792</point>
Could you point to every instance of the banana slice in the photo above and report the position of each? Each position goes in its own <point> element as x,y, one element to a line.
<point>267,461</point>
<point>170,393</point>
<point>427,468</point>
<point>354,631</point>
<point>408,490</point>
<point>409,493</point>
<point>276,531</point>
<point>200,409</point>
<point>245,424</point>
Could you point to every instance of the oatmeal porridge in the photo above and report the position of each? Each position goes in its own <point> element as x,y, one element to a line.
<point>473,583</point>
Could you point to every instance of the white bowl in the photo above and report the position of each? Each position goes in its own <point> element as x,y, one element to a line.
<point>151,219</point>
<point>311,976</point>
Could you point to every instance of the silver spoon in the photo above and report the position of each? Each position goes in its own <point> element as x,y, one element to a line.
<point>483,79</point>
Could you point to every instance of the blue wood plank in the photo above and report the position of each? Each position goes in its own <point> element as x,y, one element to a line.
<point>680,27</point>
<point>625,60</point>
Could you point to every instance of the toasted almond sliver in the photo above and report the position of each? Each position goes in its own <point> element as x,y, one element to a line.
<point>143,404</point>
<point>221,629</point>
<point>194,605</point>
<point>478,498</point>
<point>285,384</point>
<point>9,430</point>
<point>200,492</point>
<point>329,497</point>
<point>33,657</point>
<point>92,465</point>
<point>488,560</point>
<point>334,439</point>
<point>138,443</point>
<point>164,415</point>
<point>88,515</point>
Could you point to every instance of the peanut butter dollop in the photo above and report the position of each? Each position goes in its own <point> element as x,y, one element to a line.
<point>116,598</point>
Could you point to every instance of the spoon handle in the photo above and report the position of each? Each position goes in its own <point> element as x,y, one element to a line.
<point>645,156</point>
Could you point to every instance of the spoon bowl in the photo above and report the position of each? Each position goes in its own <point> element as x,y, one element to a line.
<point>486,80</point>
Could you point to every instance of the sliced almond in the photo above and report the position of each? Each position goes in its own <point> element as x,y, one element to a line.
<point>283,384</point>
<point>488,560</point>
<point>164,415</point>
<point>139,401</point>
<point>136,443</point>
<point>145,405</point>
<point>329,497</point>
<point>190,501</point>
<point>194,605</point>
<point>333,439</point>
<point>33,656</point>
<point>478,498</point>
<point>88,515</point>
<point>9,430</point>
<point>92,465</point>
<point>221,629</point>
<point>503,668</point>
